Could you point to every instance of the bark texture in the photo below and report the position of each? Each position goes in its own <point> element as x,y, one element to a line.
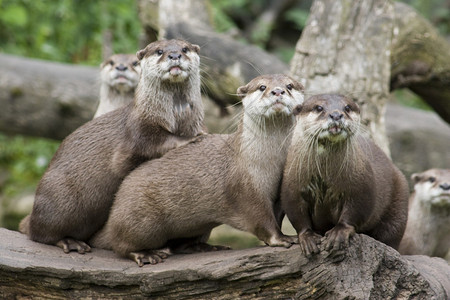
<point>46,99</point>
<point>335,54</point>
<point>369,270</point>
<point>421,60</point>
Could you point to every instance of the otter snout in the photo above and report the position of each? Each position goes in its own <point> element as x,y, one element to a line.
<point>336,115</point>
<point>174,56</point>
<point>278,91</point>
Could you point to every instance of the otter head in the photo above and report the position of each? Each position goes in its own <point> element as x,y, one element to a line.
<point>432,187</point>
<point>330,118</point>
<point>121,72</point>
<point>271,96</point>
<point>170,60</point>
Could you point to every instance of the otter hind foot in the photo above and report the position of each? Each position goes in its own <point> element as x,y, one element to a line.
<point>309,241</point>
<point>197,247</point>
<point>282,241</point>
<point>152,257</point>
<point>338,237</point>
<point>69,244</point>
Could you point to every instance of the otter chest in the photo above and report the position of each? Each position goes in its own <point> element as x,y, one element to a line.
<point>325,203</point>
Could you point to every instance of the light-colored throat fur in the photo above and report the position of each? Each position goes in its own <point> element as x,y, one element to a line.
<point>111,99</point>
<point>312,157</point>
<point>263,149</point>
<point>176,106</point>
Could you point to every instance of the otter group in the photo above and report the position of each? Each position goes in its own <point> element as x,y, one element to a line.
<point>146,181</point>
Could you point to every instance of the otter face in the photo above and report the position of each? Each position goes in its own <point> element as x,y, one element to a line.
<point>170,60</point>
<point>433,186</point>
<point>271,95</point>
<point>330,117</point>
<point>121,72</point>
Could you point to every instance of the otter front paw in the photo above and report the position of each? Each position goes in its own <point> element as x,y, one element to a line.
<point>338,237</point>
<point>309,241</point>
<point>68,244</point>
<point>152,257</point>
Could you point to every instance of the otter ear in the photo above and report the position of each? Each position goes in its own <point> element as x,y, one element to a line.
<point>416,177</point>
<point>242,91</point>
<point>297,109</point>
<point>196,48</point>
<point>141,53</point>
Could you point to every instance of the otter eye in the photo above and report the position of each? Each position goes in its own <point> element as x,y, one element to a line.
<point>432,179</point>
<point>185,50</point>
<point>262,88</point>
<point>159,52</point>
<point>289,86</point>
<point>111,63</point>
<point>318,108</point>
<point>347,108</point>
<point>135,63</point>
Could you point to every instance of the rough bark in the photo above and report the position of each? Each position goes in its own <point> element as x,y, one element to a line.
<point>335,54</point>
<point>369,270</point>
<point>46,99</point>
<point>421,59</point>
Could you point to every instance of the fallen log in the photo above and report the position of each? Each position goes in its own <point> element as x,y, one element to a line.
<point>369,269</point>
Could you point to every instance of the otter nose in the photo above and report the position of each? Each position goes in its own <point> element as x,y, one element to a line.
<point>277,92</point>
<point>445,186</point>
<point>174,56</point>
<point>121,67</point>
<point>336,116</point>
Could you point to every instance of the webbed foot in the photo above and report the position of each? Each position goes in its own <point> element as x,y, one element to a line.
<point>69,244</point>
<point>152,257</point>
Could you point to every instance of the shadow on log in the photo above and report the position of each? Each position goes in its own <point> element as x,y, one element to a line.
<point>369,270</point>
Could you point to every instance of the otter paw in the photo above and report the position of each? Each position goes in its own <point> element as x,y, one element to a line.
<point>152,257</point>
<point>309,242</point>
<point>282,241</point>
<point>198,247</point>
<point>338,237</point>
<point>68,244</point>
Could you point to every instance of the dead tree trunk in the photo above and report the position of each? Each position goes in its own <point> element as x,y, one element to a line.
<point>369,270</point>
<point>345,48</point>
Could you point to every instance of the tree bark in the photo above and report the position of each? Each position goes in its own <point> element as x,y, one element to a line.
<point>421,60</point>
<point>345,48</point>
<point>45,99</point>
<point>367,270</point>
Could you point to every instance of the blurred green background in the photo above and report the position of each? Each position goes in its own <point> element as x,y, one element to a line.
<point>71,31</point>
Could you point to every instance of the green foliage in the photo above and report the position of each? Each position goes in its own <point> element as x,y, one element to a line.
<point>67,30</point>
<point>298,17</point>
<point>24,160</point>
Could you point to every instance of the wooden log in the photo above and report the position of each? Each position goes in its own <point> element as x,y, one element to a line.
<point>368,269</point>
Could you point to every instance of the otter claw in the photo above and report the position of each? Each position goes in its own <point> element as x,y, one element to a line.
<point>69,244</point>
<point>152,257</point>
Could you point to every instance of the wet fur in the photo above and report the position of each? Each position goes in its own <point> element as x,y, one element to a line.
<point>333,183</point>
<point>76,192</point>
<point>231,179</point>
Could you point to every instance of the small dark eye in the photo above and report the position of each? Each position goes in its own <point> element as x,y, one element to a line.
<point>289,86</point>
<point>262,88</point>
<point>135,63</point>
<point>111,63</point>
<point>347,108</point>
<point>318,108</point>
<point>432,179</point>
<point>185,50</point>
<point>159,52</point>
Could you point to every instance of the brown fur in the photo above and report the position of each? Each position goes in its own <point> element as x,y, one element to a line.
<point>339,184</point>
<point>119,79</point>
<point>231,179</point>
<point>76,192</point>
<point>428,228</point>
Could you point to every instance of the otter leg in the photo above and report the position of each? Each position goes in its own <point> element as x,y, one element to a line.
<point>148,257</point>
<point>309,241</point>
<point>338,236</point>
<point>68,244</point>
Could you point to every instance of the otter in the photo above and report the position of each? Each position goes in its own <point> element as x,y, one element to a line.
<point>428,227</point>
<point>221,179</point>
<point>337,181</point>
<point>119,79</point>
<point>75,194</point>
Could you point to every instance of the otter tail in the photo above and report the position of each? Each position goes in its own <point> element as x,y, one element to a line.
<point>25,225</point>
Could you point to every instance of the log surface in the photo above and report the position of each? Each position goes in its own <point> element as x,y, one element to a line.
<point>369,270</point>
